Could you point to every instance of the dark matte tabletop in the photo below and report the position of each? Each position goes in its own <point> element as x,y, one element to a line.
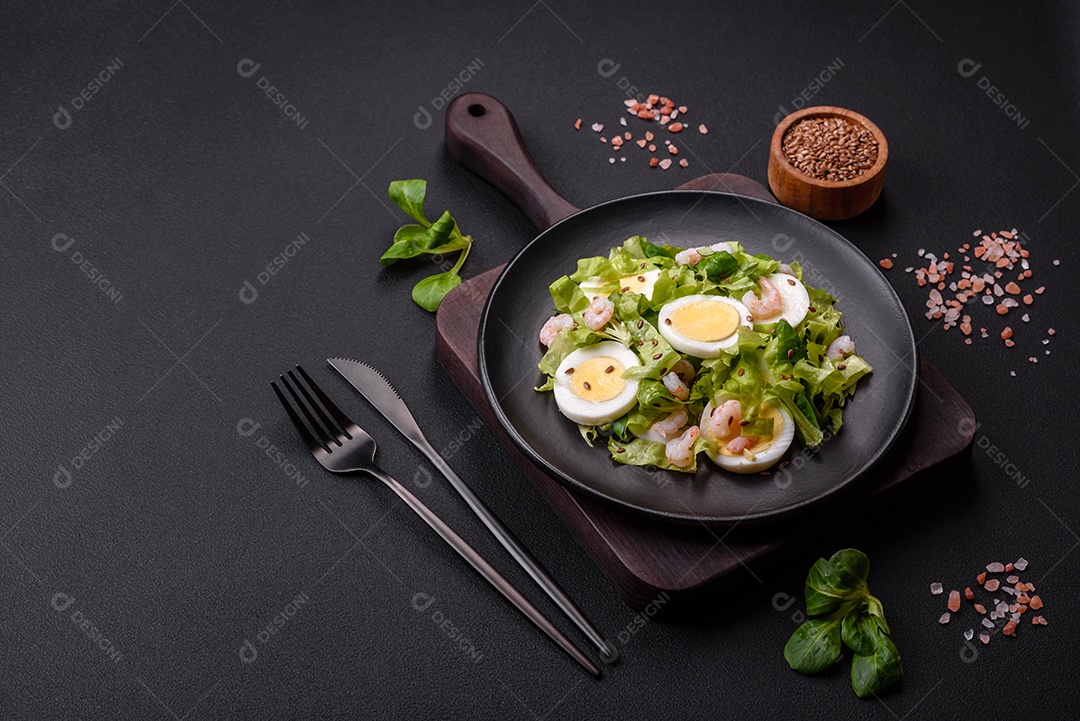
<point>194,199</point>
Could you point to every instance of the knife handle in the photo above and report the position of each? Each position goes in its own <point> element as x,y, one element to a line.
<point>485,569</point>
<point>519,553</point>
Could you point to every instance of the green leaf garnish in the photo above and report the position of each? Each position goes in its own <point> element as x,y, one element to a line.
<point>837,587</point>
<point>409,196</point>
<point>438,238</point>
<point>874,672</point>
<point>814,646</point>
<point>429,292</point>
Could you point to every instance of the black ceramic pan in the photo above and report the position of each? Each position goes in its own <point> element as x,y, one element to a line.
<point>482,134</point>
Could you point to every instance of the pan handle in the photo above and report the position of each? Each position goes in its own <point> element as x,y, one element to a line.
<point>482,135</point>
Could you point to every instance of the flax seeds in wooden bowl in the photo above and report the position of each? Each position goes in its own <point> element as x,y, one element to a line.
<point>827,162</point>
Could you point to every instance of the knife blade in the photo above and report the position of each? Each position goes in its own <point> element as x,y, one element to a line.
<point>378,391</point>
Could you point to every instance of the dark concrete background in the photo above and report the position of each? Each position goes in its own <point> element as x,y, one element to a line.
<point>131,587</point>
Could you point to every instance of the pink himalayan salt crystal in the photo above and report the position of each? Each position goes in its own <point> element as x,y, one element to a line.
<point>954,601</point>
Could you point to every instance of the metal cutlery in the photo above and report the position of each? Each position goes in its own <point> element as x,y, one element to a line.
<point>341,446</point>
<point>380,393</point>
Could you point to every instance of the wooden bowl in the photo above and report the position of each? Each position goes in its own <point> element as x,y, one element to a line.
<point>825,199</point>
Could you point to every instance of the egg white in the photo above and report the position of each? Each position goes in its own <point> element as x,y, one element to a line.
<point>691,346</point>
<point>728,245</point>
<point>795,299</point>
<point>593,287</point>
<point>588,412</point>
<point>764,458</point>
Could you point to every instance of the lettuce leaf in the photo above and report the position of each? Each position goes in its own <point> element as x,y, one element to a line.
<point>640,452</point>
<point>567,296</point>
<point>596,267</point>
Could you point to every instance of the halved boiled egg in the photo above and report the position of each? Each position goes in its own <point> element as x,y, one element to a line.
<point>793,296</point>
<point>703,325</point>
<point>763,453</point>
<point>641,283</point>
<point>589,387</point>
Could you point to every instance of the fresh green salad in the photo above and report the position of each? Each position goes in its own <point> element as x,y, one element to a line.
<point>669,352</point>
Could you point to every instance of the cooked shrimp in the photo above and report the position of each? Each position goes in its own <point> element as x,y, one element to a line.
<point>690,256</point>
<point>680,452</point>
<point>670,425</point>
<point>678,388</point>
<point>840,347</point>
<point>724,420</point>
<point>555,324</point>
<point>684,369</point>
<point>769,304</point>
<point>740,444</point>
<point>598,313</point>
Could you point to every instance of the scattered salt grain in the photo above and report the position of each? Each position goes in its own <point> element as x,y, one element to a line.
<point>944,618</point>
<point>992,585</point>
<point>995,568</point>
<point>988,623</point>
<point>597,127</point>
<point>1020,564</point>
<point>936,589</point>
<point>969,634</point>
<point>985,638</point>
<point>954,601</point>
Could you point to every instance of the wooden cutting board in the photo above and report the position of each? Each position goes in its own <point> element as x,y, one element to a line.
<point>645,558</point>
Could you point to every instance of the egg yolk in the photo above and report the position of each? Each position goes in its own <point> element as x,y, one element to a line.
<point>633,283</point>
<point>767,411</point>
<point>598,379</point>
<point>705,321</point>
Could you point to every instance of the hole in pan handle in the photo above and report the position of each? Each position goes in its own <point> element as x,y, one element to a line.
<point>482,135</point>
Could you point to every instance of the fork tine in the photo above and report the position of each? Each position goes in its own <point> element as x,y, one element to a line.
<point>312,444</point>
<point>336,433</point>
<point>343,420</point>
<point>325,439</point>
